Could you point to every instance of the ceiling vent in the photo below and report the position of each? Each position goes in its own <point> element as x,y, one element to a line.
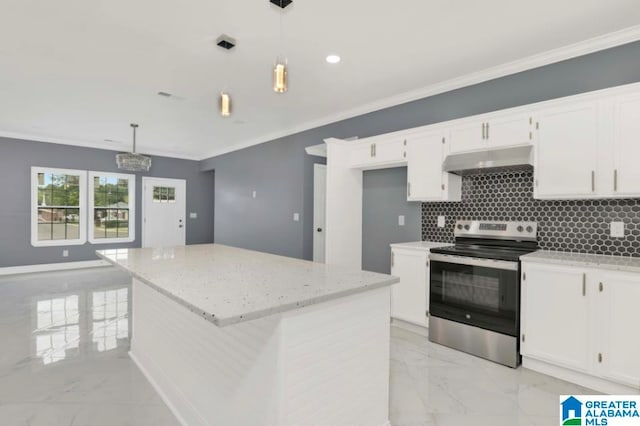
<point>226,42</point>
<point>281,3</point>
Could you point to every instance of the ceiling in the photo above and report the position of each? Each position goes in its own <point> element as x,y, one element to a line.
<point>78,72</point>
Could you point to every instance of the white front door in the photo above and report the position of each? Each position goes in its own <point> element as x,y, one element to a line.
<point>319,211</point>
<point>163,212</point>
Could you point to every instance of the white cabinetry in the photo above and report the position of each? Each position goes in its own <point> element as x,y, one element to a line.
<point>494,130</point>
<point>586,147</point>
<point>624,179</point>
<point>410,297</point>
<point>379,152</point>
<point>617,297</point>
<point>566,156</point>
<point>425,179</point>
<point>582,319</point>
<point>555,315</point>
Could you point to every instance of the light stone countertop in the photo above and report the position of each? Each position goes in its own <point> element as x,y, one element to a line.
<point>228,285</point>
<point>598,261</point>
<point>419,245</point>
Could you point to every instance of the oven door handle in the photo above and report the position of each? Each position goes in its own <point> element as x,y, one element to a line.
<point>474,261</point>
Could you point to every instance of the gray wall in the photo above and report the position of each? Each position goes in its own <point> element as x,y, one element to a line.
<point>16,159</point>
<point>620,65</point>
<point>388,188</point>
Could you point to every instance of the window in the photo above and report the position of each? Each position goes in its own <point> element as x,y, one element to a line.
<point>58,212</point>
<point>164,194</point>
<point>111,207</point>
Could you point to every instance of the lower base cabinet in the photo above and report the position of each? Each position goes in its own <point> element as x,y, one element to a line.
<point>410,297</point>
<point>582,319</point>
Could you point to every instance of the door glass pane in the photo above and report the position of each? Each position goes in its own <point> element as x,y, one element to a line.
<point>171,194</point>
<point>469,289</point>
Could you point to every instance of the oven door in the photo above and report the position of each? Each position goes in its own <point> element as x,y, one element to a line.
<point>481,292</point>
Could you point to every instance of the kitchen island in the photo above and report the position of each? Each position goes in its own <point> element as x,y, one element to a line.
<point>236,337</point>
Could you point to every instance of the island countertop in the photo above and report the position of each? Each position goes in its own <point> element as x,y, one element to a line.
<point>228,285</point>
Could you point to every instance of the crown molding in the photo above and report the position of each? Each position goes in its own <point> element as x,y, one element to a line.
<point>106,146</point>
<point>585,47</point>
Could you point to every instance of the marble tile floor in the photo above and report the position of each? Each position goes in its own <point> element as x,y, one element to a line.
<point>64,338</point>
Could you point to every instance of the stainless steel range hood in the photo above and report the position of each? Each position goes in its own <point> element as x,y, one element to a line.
<point>494,160</point>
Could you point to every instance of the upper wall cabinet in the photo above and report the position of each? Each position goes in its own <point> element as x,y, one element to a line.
<point>379,153</point>
<point>586,147</point>
<point>624,179</point>
<point>566,155</point>
<point>425,179</point>
<point>492,131</point>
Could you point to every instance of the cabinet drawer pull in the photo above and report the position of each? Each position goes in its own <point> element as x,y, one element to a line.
<point>615,180</point>
<point>584,284</point>
<point>593,181</point>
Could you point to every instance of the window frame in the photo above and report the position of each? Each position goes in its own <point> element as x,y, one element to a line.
<point>82,207</point>
<point>132,207</point>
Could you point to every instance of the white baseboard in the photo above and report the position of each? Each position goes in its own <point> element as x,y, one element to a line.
<point>47,267</point>
<point>582,379</point>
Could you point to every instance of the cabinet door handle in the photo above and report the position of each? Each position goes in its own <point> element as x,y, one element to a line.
<point>600,357</point>
<point>593,180</point>
<point>601,287</point>
<point>584,284</point>
<point>482,131</point>
<point>615,180</point>
<point>371,150</point>
<point>392,259</point>
<point>408,189</point>
<point>487,130</point>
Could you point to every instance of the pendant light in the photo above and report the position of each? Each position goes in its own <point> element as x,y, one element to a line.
<point>225,104</point>
<point>227,43</point>
<point>280,72</point>
<point>280,76</point>
<point>132,161</point>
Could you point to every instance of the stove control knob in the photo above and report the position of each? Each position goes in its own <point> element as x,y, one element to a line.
<point>466,227</point>
<point>520,228</point>
<point>459,226</point>
<point>529,229</point>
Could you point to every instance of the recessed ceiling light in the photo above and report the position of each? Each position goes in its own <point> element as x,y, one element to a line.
<point>333,59</point>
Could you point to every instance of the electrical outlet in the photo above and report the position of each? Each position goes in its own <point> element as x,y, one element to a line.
<point>65,253</point>
<point>193,215</point>
<point>296,217</point>
<point>401,220</point>
<point>617,229</point>
<point>441,221</point>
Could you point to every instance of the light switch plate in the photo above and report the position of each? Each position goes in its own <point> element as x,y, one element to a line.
<point>193,215</point>
<point>296,217</point>
<point>254,194</point>
<point>617,229</point>
<point>441,221</point>
<point>401,220</point>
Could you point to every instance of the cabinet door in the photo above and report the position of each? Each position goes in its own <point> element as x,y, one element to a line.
<point>554,318</point>
<point>625,177</point>
<point>468,136</point>
<point>618,295</point>
<point>566,152</point>
<point>361,154</point>
<point>509,129</point>
<point>389,151</point>
<point>409,296</point>
<point>424,167</point>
